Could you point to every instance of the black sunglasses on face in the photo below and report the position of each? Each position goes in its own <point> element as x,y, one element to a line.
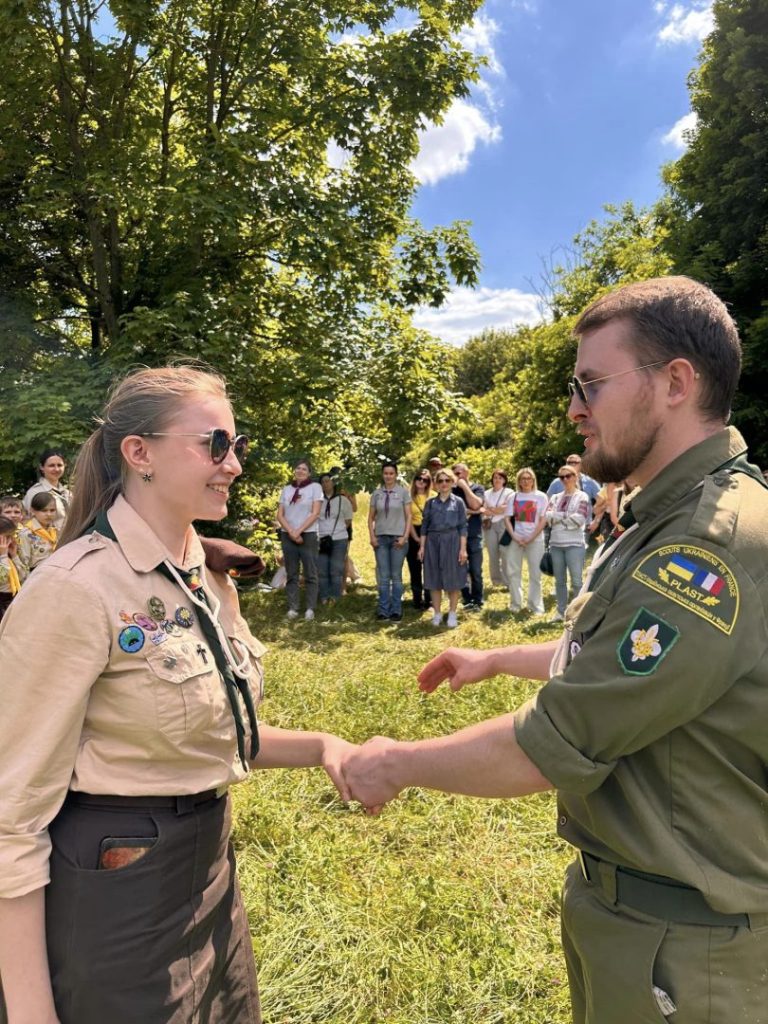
<point>578,387</point>
<point>566,476</point>
<point>219,443</point>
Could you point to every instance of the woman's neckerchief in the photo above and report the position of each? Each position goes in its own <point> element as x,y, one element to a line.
<point>299,487</point>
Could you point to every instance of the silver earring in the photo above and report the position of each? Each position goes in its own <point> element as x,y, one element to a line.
<point>147,478</point>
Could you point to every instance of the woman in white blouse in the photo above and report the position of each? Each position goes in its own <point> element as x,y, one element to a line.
<point>494,509</point>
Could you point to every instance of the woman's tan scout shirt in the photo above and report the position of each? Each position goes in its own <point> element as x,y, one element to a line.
<point>108,686</point>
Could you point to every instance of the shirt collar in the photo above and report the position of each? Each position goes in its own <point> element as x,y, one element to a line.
<point>142,548</point>
<point>686,472</point>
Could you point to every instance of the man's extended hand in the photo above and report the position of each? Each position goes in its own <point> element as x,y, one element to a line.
<point>457,667</point>
<point>371,773</point>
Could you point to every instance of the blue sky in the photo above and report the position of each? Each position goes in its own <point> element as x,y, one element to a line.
<point>581,104</point>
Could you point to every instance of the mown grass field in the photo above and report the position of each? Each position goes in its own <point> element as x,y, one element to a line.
<point>442,909</point>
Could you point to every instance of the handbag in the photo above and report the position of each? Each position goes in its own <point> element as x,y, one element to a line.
<point>545,565</point>
<point>325,545</point>
<point>505,539</point>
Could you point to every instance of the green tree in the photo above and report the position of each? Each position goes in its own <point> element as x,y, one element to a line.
<point>719,190</point>
<point>521,419</point>
<point>227,179</point>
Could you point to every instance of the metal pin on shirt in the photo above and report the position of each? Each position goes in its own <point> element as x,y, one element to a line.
<point>201,651</point>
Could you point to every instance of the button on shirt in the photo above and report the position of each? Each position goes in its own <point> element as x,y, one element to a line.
<point>108,686</point>
<point>444,516</point>
<point>654,732</point>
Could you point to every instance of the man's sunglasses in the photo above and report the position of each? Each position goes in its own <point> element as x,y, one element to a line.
<point>578,387</point>
<point>219,443</point>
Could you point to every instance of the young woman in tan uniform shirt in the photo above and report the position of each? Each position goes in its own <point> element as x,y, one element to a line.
<point>124,721</point>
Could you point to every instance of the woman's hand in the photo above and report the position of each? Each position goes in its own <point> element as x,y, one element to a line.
<point>401,541</point>
<point>462,557</point>
<point>335,751</point>
<point>374,541</point>
<point>421,554</point>
<point>5,545</point>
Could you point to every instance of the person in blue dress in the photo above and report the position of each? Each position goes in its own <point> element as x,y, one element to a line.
<point>443,547</point>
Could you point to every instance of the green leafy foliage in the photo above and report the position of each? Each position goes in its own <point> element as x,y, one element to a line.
<point>719,191</point>
<point>229,180</point>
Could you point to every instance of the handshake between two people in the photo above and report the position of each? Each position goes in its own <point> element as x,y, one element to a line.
<point>481,760</point>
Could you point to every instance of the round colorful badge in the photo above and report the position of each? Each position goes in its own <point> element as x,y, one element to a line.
<point>131,639</point>
<point>170,627</point>
<point>184,617</point>
<point>156,608</point>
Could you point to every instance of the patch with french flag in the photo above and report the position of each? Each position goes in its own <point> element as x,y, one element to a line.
<point>693,573</point>
<point>694,578</point>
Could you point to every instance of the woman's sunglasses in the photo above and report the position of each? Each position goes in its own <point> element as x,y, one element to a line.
<point>566,476</point>
<point>219,443</point>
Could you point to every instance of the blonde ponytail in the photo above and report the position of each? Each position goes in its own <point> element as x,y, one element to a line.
<point>143,402</point>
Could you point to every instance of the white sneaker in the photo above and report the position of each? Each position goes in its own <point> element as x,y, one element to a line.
<point>437,619</point>
<point>452,620</point>
<point>309,615</point>
<point>514,608</point>
<point>291,614</point>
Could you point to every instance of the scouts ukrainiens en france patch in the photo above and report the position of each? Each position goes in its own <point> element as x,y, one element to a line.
<point>695,579</point>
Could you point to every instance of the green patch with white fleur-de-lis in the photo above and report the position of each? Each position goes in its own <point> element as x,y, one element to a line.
<point>646,643</point>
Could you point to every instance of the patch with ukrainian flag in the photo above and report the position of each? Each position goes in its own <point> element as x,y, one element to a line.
<point>646,643</point>
<point>695,579</point>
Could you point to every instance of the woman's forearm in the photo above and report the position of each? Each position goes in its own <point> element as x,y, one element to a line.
<point>289,748</point>
<point>24,960</point>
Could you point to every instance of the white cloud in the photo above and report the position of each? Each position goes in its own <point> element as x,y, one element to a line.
<point>467,312</point>
<point>446,148</point>
<point>679,134</point>
<point>686,23</point>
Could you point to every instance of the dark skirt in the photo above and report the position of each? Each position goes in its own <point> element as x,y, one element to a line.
<point>441,562</point>
<point>164,940</point>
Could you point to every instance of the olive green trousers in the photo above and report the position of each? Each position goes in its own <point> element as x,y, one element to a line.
<point>616,956</point>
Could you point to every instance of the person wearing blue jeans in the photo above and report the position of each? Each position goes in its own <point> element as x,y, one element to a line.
<point>333,539</point>
<point>473,497</point>
<point>567,513</point>
<point>389,524</point>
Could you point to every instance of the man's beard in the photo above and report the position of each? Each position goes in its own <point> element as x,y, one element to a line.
<point>615,467</point>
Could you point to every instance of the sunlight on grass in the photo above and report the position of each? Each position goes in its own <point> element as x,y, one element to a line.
<point>444,909</point>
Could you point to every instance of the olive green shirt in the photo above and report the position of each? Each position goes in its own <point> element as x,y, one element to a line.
<point>655,731</point>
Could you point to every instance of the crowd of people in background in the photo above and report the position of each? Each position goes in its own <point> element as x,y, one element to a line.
<point>439,526</point>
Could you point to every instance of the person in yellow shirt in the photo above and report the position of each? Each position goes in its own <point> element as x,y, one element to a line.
<point>12,569</point>
<point>421,492</point>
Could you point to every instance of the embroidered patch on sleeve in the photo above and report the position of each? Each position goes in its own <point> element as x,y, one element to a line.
<point>695,579</point>
<point>646,643</point>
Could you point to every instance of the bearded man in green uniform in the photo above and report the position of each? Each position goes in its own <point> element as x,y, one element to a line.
<point>652,722</point>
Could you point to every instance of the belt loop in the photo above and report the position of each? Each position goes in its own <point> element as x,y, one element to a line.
<point>757,922</point>
<point>185,804</point>
<point>608,879</point>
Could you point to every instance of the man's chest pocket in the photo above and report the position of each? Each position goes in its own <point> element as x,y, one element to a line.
<point>185,683</point>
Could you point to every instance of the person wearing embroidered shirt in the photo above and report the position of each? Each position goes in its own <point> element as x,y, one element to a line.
<point>524,521</point>
<point>51,469</point>
<point>494,506</point>
<point>13,572</point>
<point>335,519</point>
<point>38,537</point>
<point>651,720</point>
<point>389,524</point>
<point>129,684</point>
<point>297,514</point>
<point>567,514</point>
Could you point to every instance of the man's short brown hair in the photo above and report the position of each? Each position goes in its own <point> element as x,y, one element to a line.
<point>677,318</point>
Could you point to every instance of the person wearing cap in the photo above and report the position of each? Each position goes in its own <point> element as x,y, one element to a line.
<point>651,720</point>
<point>130,684</point>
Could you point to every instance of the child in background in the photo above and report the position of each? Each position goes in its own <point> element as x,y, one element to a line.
<point>12,570</point>
<point>12,508</point>
<point>38,537</point>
